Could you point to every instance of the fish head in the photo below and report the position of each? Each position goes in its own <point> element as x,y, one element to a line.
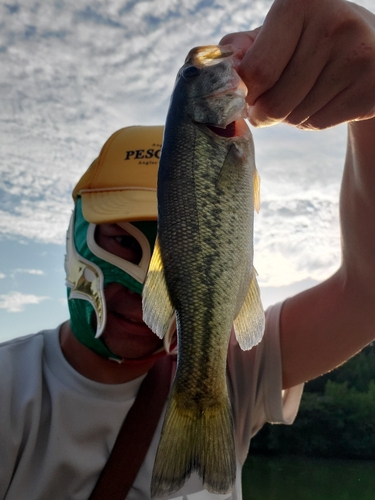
<point>209,87</point>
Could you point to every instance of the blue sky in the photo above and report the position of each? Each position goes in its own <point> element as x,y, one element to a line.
<point>72,74</point>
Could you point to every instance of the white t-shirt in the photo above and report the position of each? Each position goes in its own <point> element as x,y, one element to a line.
<point>57,428</point>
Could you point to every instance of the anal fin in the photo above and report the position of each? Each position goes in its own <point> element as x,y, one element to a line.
<point>250,321</point>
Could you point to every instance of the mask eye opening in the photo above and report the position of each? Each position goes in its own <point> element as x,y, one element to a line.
<point>136,271</point>
<point>129,242</point>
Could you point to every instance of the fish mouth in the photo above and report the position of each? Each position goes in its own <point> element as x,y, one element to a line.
<point>236,128</point>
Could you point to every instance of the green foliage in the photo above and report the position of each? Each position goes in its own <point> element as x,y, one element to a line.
<point>358,372</point>
<point>336,417</point>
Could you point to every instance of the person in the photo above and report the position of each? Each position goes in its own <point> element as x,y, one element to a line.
<point>66,392</point>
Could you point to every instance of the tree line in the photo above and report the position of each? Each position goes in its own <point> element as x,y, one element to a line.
<point>336,417</point>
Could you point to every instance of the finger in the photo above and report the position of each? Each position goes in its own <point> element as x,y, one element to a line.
<point>295,83</point>
<point>340,110</point>
<point>345,87</point>
<point>242,40</point>
<point>329,92</point>
<point>333,53</point>
<point>272,49</point>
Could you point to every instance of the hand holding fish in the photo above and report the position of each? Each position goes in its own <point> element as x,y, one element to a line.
<point>311,64</point>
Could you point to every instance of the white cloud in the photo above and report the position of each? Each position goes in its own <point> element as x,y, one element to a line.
<point>16,301</point>
<point>296,238</point>
<point>37,272</point>
<point>297,231</point>
<point>2,276</point>
<point>74,72</point>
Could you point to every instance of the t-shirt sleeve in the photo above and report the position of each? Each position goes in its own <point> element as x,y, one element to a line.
<point>255,385</point>
<point>281,406</point>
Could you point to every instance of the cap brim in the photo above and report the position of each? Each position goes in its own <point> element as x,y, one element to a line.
<point>100,207</point>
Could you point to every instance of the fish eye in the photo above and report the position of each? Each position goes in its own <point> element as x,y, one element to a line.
<point>190,72</point>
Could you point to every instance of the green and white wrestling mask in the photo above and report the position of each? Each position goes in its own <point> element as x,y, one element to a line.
<point>119,185</point>
<point>90,268</point>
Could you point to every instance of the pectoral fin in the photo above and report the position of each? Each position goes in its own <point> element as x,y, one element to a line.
<point>249,323</point>
<point>229,170</point>
<point>157,308</point>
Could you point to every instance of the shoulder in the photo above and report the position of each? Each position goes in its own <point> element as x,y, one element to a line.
<point>18,344</point>
<point>21,359</point>
<point>21,396</point>
<point>18,347</point>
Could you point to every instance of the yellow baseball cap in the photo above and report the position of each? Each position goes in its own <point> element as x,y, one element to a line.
<point>120,185</point>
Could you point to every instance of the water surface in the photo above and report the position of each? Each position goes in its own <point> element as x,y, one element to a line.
<point>300,478</point>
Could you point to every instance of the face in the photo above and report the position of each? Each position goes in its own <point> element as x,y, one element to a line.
<point>125,333</point>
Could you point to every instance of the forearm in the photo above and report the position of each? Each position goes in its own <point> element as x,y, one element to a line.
<point>325,325</point>
<point>357,208</point>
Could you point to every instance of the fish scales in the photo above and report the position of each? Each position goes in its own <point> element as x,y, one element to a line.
<point>205,233</point>
<point>196,261</point>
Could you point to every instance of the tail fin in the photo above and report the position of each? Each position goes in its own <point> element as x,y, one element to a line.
<point>195,439</point>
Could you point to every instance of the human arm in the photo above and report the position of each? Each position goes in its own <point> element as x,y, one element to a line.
<point>312,64</point>
<point>325,325</point>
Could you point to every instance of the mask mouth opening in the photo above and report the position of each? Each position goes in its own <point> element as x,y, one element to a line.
<point>159,353</point>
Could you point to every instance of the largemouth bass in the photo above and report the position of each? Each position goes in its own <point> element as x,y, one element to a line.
<point>202,265</point>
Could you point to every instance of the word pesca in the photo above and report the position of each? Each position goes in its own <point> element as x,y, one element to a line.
<point>142,154</point>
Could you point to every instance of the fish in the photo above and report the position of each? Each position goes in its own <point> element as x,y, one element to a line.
<point>201,275</point>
